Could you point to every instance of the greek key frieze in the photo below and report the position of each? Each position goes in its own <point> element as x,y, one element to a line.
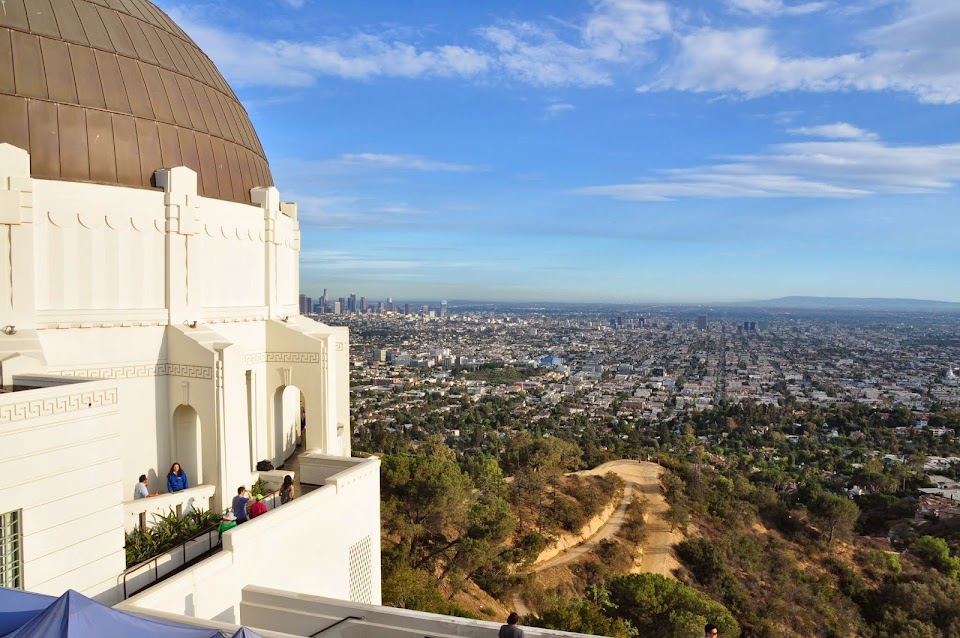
<point>283,357</point>
<point>137,371</point>
<point>51,406</point>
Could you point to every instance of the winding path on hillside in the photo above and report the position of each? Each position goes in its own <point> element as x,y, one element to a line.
<point>610,527</point>
<point>642,479</point>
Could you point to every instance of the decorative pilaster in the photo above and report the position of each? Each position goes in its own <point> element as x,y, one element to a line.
<point>268,198</point>
<point>182,213</point>
<point>17,302</point>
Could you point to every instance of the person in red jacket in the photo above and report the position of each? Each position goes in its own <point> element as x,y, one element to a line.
<point>258,508</point>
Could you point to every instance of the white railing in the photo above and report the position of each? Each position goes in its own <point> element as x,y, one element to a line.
<point>144,512</point>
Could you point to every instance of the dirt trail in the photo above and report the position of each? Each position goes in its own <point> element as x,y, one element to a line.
<point>642,479</point>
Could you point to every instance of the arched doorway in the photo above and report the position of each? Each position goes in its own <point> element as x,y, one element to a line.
<point>286,421</point>
<point>187,442</point>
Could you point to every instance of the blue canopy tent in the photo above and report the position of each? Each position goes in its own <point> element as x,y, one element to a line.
<point>17,607</point>
<point>74,615</point>
<point>243,632</point>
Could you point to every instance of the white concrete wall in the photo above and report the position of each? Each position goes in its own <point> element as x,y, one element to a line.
<point>98,248</point>
<point>60,450</point>
<point>135,358</point>
<point>303,546</point>
<point>232,251</point>
<point>180,302</point>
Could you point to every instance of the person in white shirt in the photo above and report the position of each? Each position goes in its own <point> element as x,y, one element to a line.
<point>141,490</point>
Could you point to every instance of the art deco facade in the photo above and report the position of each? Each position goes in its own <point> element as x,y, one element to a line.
<point>149,277</point>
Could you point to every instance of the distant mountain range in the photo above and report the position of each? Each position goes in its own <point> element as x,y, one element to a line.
<point>853,303</point>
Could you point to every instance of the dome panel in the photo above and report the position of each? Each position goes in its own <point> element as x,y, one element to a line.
<point>110,91</point>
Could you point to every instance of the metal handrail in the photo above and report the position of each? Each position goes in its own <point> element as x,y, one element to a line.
<point>155,560</point>
<point>331,626</point>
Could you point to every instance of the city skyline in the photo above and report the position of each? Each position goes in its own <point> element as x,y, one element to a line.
<point>609,151</point>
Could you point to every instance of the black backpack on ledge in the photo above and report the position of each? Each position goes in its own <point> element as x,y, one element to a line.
<point>264,466</point>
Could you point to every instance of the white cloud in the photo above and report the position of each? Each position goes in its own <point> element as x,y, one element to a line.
<point>916,54</point>
<point>836,131</point>
<point>537,56</point>
<point>338,260</point>
<point>553,110</point>
<point>245,60</point>
<point>775,7</point>
<point>821,169</point>
<point>614,32</point>
<point>401,162</point>
<point>746,62</point>
<point>617,27</point>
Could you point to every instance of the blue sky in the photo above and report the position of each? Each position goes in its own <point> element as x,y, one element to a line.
<point>607,150</point>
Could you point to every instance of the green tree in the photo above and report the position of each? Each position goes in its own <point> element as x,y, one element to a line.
<point>936,553</point>
<point>658,606</point>
<point>835,514</point>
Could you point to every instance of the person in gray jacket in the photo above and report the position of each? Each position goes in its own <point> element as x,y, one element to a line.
<point>510,630</point>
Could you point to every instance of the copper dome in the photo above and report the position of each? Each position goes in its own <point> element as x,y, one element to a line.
<point>109,91</point>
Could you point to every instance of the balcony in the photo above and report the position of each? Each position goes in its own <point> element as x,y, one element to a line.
<point>325,542</point>
<point>144,512</point>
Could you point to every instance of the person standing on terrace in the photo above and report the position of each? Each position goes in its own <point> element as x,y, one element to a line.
<point>177,479</point>
<point>240,504</point>
<point>286,490</point>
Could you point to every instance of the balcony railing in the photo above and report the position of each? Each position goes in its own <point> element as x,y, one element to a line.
<point>144,512</point>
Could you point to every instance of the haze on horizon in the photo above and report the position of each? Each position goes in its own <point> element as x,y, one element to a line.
<point>607,150</point>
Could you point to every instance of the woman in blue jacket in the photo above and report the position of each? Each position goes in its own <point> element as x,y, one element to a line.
<point>177,479</point>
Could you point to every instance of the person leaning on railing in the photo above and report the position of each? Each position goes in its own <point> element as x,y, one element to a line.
<point>141,490</point>
<point>177,479</point>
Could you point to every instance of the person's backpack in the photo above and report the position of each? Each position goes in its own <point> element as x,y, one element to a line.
<point>264,466</point>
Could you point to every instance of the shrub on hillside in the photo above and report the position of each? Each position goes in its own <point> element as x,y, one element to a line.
<point>658,606</point>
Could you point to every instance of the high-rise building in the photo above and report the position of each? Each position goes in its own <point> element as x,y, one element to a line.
<point>352,305</point>
<point>701,322</point>
<point>390,306</point>
<point>303,304</point>
<point>406,309</point>
<point>363,304</point>
<point>443,308</point>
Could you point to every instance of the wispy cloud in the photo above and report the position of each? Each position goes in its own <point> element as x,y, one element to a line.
<point>748,63</point>
<point>249,61</point>
<point>821,169</point>
<point>615,32</point>
<point>916,53</point>
<point>775,7</point>
<point>836,131</point>
<point>354,261</point>
<point>341,212</point>
<point>611,33</point>
<point>557,108</point>
<point>401,162</point>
